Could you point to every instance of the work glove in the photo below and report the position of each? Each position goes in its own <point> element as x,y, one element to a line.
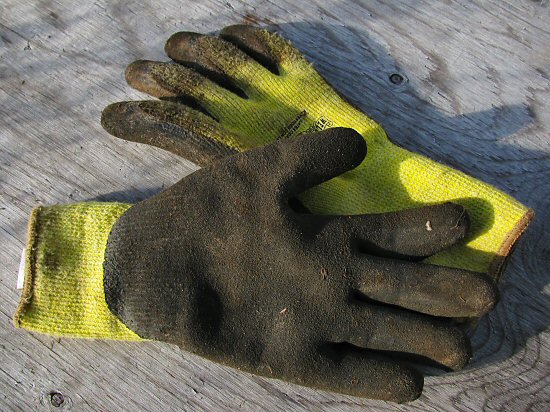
<point>248,87</point>
<point>221,265</point>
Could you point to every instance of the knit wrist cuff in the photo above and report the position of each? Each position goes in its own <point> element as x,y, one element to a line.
<point>63,287</point>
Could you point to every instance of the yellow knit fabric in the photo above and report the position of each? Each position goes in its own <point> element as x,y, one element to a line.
<point>63,290</point>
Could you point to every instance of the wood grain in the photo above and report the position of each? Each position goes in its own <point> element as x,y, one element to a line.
<point>476,96</point>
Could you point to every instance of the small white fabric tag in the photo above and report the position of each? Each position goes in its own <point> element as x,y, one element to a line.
<point>21,274</point>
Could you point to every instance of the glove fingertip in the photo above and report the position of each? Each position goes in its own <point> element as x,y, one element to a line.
<point>459,351</point>
<point>354,142</point>
<point>139,76</point>
<point>126,120</point>
<point>179,41</point>
<point>345,146</point>
<point>110,118</point>
<point>461,217</point>
<point>408,386</point>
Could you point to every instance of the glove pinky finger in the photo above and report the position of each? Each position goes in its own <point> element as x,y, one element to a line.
<point>364,373</point>
<point>174,127</point>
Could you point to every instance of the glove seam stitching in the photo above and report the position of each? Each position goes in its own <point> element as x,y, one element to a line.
<point>25,300</point>
<point>499,261</point>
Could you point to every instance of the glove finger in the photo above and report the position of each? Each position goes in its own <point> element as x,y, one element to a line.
<point>167,80</point>
<point>220,57</point>
<point>395,330</point>
<point>356,372</point>
<point>271,50</point>
<point>412,234</point>
<point>306,160</point>
<point>177,46</point>
<point>435,290</point>
<point>265,47</point>
<point>170,126</point>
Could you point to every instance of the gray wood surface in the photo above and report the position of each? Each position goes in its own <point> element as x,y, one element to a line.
<point>476,96</point>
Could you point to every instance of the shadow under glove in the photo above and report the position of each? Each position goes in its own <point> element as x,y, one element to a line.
<point>248,87</point>
<point>221,265</point>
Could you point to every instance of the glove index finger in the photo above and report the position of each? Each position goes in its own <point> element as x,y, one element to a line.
<point>174,127</point>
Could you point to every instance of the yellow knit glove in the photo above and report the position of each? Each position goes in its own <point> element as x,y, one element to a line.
<point>286,96</point>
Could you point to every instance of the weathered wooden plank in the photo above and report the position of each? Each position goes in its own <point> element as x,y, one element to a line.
<point>476,96</point>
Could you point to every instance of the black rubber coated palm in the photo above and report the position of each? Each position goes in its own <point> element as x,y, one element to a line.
<point>221,265</point>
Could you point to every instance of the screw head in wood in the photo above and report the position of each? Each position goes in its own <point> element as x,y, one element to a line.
<point>396,78</point>
<point>57,399</point>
